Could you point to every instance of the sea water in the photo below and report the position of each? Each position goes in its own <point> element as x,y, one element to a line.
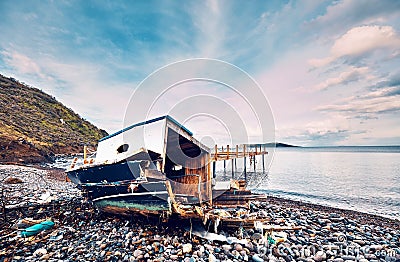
<point>365,179</point>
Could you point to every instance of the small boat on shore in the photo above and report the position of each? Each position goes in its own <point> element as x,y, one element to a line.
<point>157,167</point>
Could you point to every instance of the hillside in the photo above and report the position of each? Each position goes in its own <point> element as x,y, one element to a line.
<point>284,145</point>
<point>34,125</point>
<point>277,144</point>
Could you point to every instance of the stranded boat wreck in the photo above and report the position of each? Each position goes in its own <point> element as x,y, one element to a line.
<point>158,167</point>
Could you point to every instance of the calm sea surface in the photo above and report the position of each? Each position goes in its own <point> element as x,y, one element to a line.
<point>359,178</point>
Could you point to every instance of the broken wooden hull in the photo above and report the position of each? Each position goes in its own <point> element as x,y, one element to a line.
<point>119,188</point>
<point>129,197</point>
<point>135,203</point>
<point>97,191</point>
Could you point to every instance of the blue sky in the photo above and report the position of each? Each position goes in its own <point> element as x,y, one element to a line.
<point>330,69</point>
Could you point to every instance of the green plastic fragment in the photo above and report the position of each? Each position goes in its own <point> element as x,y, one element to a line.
<point>270,240</point>
<point>36,229</point>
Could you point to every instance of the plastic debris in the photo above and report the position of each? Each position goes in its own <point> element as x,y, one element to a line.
<point>46,198</point>
<point>36,229</point>
<point>202,233</point>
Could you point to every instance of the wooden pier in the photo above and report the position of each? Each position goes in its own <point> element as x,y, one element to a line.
<point>245,151</point>
<point>228,152</point>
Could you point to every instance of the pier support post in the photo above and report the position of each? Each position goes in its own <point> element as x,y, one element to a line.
<point>84,154</point>
<point>263,160</point>
<point>245,171</point>
<point>224,166</point>
<point>233,171</point>
<point>214,174</point>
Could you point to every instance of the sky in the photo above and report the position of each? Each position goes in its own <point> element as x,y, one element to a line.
<point>329,69</point>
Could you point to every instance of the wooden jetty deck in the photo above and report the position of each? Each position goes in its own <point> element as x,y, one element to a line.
<point>228,152</point>
<point>244,151</point>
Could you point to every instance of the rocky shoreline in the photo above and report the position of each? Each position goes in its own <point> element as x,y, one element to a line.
<point>82,233</point>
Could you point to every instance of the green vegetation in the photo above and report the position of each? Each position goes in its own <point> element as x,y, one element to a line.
<point>34,125</point>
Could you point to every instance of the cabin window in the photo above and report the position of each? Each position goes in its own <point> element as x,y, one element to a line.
<point>122,148</point>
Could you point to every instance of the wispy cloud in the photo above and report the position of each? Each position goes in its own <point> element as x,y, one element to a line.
<point>391,81</point>
<point>352,75</point>
<point>367,105</point>
<point>334,130</point>
<point>342,15</point>
<point>210,26</point>
<point>21,63</point>
<point>359,41</point>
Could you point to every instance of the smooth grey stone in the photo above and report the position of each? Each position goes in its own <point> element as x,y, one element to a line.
<point>256,258</point>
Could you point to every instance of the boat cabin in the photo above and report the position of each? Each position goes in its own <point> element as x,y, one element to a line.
<point>167,148</point>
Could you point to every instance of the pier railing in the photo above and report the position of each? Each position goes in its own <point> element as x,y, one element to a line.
<point>243,151</point>
<point>228,152</point>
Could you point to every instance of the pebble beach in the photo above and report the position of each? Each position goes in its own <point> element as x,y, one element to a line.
<point>82,233</point>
